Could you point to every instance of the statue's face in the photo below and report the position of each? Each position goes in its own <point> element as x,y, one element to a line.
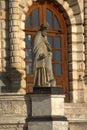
<point>44,32</point>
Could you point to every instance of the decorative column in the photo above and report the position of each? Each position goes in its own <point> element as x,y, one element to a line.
<point>85,32</point>
<point>15,56</point>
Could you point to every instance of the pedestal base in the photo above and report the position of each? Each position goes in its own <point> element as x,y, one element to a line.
<point>47,109</point>
<point>48,123</point>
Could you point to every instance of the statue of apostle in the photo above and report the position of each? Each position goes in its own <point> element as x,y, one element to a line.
<point>42,59</point>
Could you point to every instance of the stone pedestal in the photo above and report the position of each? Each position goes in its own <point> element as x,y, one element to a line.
<point>47,109</point>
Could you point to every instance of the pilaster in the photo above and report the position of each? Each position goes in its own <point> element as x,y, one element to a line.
<point>85,33</point>
<point>0,56</point>
<point>15,73</point>
<point>4,44</point>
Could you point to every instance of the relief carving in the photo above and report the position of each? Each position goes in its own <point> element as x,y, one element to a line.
<point>6,107</point>
<point>13,107</point>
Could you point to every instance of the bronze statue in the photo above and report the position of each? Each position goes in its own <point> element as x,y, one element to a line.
<point>42,59</point>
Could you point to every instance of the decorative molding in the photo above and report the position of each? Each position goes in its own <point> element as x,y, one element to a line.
<point>12,103</point>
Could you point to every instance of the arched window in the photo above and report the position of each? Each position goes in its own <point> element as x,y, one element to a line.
<point>57,37</point>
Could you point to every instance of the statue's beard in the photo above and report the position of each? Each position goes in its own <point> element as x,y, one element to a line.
<point>44,33</point>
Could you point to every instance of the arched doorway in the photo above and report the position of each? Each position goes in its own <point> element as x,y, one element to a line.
<point>57,37</point>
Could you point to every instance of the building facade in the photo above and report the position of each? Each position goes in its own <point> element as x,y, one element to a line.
<point>67,34</point>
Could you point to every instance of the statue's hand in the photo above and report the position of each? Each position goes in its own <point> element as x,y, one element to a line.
<point>49,49</point>
<point>41,56</point>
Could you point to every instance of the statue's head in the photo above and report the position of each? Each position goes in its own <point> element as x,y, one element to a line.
<point>44,28</point>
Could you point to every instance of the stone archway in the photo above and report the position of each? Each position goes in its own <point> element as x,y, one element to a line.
<point>75,41</point>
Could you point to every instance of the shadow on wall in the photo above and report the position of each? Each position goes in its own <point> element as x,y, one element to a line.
<point>10,81</point>
<point>28,110</point>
